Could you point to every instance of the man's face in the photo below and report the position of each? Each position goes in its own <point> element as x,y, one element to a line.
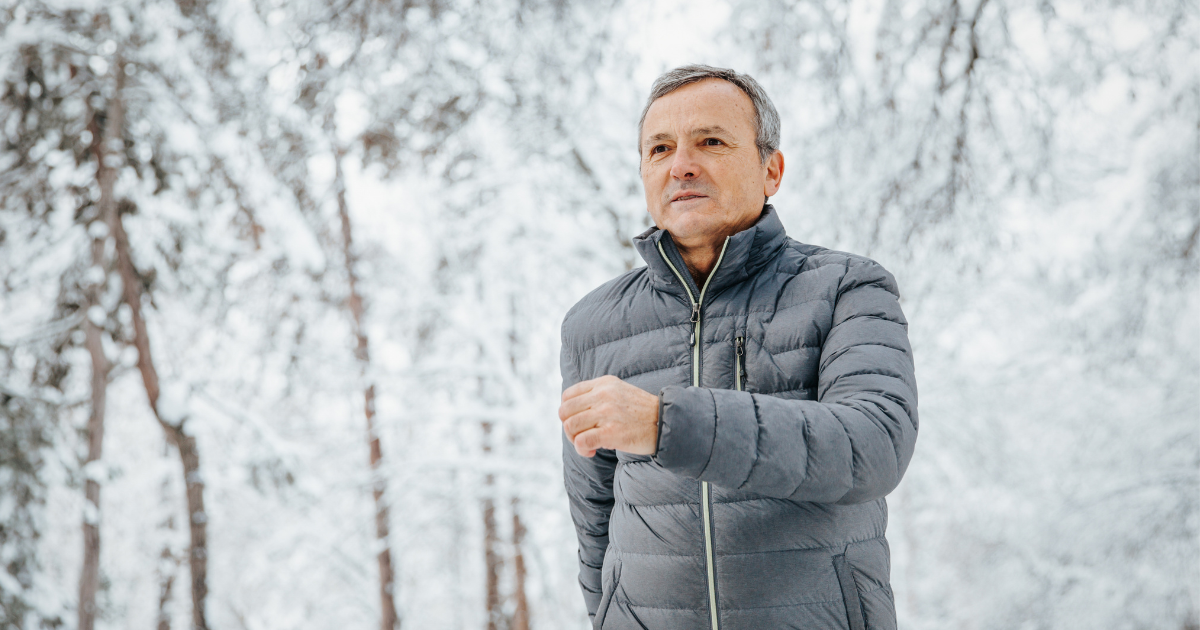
<point>700,165</point>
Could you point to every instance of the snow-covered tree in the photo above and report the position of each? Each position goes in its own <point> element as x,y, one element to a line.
<point>297,220</point>
<point>100,102</point>
<point>1030,172</point>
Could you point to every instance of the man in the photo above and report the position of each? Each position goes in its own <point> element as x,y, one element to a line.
<point>735,411</point>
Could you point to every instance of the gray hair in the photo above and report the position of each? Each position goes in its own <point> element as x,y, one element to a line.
<point>766,119</point>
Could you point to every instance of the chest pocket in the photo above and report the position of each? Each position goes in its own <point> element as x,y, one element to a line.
<point>780,365</point>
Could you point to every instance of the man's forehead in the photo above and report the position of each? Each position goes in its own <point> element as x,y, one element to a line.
<point>711,106</point>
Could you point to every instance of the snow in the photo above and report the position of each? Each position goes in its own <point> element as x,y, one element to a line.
<point>98,64</point>
<point>1051,309</point>
<point>95,470</point>
<point>91,513</point>
<point>173,402</point>
<point>97,316</point>
<point>352,115</point>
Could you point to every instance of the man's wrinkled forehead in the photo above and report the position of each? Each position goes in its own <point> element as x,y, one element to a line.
<point>710,106</point>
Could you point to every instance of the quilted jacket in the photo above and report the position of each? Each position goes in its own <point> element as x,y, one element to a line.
<point>788,410</point>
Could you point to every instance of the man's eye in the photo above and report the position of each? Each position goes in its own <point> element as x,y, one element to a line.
<point>712,142</point>
<point>659,149</point>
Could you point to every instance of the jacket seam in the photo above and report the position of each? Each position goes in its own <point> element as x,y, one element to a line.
<point>725,609</point>
<point>668,367</point>
<point>823,298</point>
<point>875,372</point>
<point>650,505</point>
<point>786,391</point>
<point>589,348</point>
<point>671,555</point>
<point>762,498</point>
<point>789,351</point>
<point>866,343</point>
<point>836,546</point>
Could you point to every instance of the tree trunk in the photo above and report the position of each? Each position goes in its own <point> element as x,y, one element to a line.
<point>89,578</point>
<point>491,540</point>
<point>521,616</point>
<point>189,455</point>
<point>389,620</point>
<point>165,585</point>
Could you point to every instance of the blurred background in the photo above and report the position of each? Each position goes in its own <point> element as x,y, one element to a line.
<point>282,287</point>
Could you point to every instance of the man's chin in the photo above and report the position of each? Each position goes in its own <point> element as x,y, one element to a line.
<point>691,225</point>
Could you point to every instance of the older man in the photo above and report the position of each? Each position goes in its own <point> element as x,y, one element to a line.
<point>735,411</point>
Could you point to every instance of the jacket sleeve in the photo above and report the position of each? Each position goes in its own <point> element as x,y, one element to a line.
<point>589,482</point>
<point>851,445</point>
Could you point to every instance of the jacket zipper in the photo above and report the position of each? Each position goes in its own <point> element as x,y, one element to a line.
<point>705,493</point>
<point>739,345</point>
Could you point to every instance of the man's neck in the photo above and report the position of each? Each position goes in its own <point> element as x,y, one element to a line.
<point>700,259</point>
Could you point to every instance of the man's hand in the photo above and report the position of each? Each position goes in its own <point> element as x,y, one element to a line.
<point>609,413</point>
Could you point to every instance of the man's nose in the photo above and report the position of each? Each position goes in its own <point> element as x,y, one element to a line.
<point>683,164</point>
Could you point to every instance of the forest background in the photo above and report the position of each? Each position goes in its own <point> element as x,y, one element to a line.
<point>282,286</point>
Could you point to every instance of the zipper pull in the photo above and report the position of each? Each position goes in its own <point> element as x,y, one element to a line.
<point>740,350</point>
<point>695,319</point>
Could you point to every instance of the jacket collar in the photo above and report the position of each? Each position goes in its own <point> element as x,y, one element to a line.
<point>746,254</point>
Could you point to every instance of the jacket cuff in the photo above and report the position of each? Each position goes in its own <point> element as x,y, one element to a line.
<point>687,421</point>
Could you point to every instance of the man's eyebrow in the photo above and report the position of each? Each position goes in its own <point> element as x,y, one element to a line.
<point>715,130</point>
<point>657,137</point>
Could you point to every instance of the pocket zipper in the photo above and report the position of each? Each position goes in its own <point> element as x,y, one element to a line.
<point>739,346</point>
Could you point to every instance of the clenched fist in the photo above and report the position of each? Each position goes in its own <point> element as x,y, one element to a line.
<point>607,412</point>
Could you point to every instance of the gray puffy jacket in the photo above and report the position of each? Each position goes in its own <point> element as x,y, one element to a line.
<point>788,410</point>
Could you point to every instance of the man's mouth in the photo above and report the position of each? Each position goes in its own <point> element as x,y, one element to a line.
<point>687,198</point>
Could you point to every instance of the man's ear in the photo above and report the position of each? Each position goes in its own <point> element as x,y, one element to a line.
<point>774,174</point>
